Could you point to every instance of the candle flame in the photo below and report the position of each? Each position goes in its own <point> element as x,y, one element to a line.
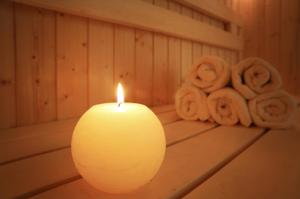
<point>120,94</point>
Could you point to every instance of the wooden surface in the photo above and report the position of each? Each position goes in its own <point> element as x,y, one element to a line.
<point>138,14</point>
<point>56,65</point>
<point>7,72</point>
<point>202,160</point>
<point>214,8</point>
<point>22,142</point>
<point>268,169</point>
<point>183,166</point>
<point>271,31</point>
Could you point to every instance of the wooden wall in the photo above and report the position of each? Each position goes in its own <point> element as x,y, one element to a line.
<point>272,31</point>
<point>56,65</point>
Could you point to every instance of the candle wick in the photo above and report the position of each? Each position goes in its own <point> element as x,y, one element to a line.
<point>119,104</point>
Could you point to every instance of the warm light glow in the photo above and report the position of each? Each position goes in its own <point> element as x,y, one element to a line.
<point>120,94</point>
<point>118,151</point>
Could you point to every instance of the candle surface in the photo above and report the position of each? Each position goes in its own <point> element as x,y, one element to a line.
<point>118,148</point>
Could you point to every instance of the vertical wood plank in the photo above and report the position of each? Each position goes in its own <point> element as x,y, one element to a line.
<point>46,77</point>
<point>160,73</point>
<point>297,93</point>
<point>144,66</point>
<point>206,50</point>
<point>7,66</point>
<point>186,49</point>
<point>35,69</point>
<point>101,78</point>
<point>71,65</point>
<point>197,51</point>
<point>247,11</point>
<point>214,51</point>
<point>260,28</point>
<point>186,58</point>
<point>124,60</point>
<point>174,79</point>
<point>288,49</point>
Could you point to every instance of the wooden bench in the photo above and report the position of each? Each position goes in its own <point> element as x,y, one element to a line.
<point>203,160</point>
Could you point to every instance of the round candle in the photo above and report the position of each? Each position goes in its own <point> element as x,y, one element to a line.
<point>118,147</point>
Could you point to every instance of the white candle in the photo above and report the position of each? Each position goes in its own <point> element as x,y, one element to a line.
<point>118,147</point>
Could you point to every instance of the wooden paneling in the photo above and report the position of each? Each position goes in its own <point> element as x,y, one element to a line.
<point>143,15</point>
<point>290,12</point>
<point>160,73</point>
<point>7,65</point>
<point>197,52</point>
<point>144,67</point>
<point>174,79</point>
<point>213,8</point>
<point>186,58</point>
<point>100,61</point>
<point>271,32</point>
<point>124,60</point>
<point>35,65</point>
<point>64,63</point>
<point>71,65</point>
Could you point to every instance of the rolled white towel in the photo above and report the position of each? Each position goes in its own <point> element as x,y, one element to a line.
<point>275,109</point>
<point>210,73</point>
<point>191,103</point>
<point>254,76</point>
<point>228,107</point>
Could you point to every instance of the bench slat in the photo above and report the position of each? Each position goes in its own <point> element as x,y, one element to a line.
<point>268,169</point>
<point>185,163</point>
<point>38,172</point>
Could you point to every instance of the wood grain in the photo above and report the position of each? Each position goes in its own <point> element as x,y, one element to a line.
<point>144,53</point>
<point>271,166</point>
<point>101,62</point>
<point>143,16</point>
<point>71,65</point>
<point>213,8</point>
<point>174,79</point>
<point>186,58</point>
<point>59,165</point>
<point>72,62</point>
<point>160,73</point>
<point>197,52</point>
<point>22,142</point>
<point>7,72</point>
<point>271,33</point>
<point>35,68</point>
<point>221,143</point>
<point>124,64</point>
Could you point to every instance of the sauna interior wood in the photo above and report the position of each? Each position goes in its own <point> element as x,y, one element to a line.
<point>59,58</point>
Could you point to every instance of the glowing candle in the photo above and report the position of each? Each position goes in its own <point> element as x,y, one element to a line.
<point>118,147</point>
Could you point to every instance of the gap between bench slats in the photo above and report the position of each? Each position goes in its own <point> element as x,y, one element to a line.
<point>24,142</point>
<point>184,163</point>
<point>38,172</point>
<point>268,169</point>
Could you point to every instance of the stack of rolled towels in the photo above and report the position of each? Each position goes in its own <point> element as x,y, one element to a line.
<point>246,93</point>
